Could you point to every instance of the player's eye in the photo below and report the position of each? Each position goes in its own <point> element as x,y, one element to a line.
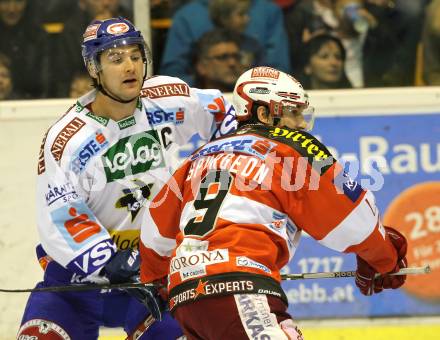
<point>115,58</point>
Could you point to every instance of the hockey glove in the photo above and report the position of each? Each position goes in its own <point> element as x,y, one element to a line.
<point>150,297</point>
<point>365,274</point>
<point>123,266</point>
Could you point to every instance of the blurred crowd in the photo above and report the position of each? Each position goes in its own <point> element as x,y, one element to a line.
<point>326,44</point>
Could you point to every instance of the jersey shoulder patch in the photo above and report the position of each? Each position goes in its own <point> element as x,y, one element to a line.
<point>305,144</point>
<point>67,138</point>
<point>164,86</point>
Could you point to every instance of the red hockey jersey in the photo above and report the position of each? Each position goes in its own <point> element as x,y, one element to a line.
<point>239,205</point>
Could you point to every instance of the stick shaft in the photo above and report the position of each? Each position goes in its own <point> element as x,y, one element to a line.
<point>351,273</point>
<point>76,288</point>
<point>141,328</point>
<point>413,270</point>
<point>303,276</point>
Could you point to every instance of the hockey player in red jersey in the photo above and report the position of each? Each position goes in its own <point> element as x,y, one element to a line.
<point>242,202</point>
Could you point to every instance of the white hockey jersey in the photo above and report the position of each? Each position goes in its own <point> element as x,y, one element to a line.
<point>96,176</point>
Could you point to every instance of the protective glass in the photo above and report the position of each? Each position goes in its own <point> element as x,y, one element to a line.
<point>309,117</point>
<point>120,54</point>
<point>287,108</point>
<point>94,57</point>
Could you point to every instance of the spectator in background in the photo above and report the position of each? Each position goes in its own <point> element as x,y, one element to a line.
<point>169,6</point>
<point>24,42</point>
<point>385,52</point>
<point>431,44</point>
<point>81,84</point>
<point>354,23</point>
<point>51,15</point>
<point>217,62</point>
<point>286,4</point>
<point>69,60</point>
<point>406,21</point>
<point>53,11</point>
<point>411,17</point>
<point>266,24</point>
<point>5,78</point>
<point>308,17</point>
<point>390,46</point>
<point>234,16</point>
<point>324,64</point>
<point>374,36</point>
<point>161,12</point>
<point>368,38</point>
<point>378,39</point>
<point>101,9</point>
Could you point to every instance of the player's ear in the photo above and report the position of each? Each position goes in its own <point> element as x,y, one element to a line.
<point>263,115</point>
<point>91,68</point>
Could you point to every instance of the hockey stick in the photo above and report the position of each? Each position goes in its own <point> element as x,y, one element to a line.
<point>352,273</point>
<point>78,287</point>
<point>141,329</point>
<point>321,275</point>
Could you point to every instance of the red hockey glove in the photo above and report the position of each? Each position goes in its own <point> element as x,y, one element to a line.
<point>365,274</point>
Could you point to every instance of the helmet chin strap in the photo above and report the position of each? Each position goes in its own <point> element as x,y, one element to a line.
<point>112,96</point>
<point>104,92</point>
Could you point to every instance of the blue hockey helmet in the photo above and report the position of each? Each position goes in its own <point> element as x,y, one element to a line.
<point>101,35</point>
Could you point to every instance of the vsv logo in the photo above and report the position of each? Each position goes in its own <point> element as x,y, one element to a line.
<point>224,119</point>
<point>351,188</point>
<point>132,155</point>
<point>92,259</point>
<point>161,117</point>
<point>227,125</point>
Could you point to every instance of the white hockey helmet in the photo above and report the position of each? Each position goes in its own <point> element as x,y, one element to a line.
<point>276,90</point>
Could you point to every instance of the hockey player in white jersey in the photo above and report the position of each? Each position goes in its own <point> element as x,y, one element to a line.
<point>99,166</point>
